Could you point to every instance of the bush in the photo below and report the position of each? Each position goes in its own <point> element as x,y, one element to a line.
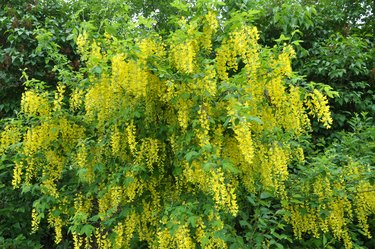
<point>193,139</point>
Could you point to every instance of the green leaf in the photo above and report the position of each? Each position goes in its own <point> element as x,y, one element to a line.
<point>190,156</point>
<point>192,220</point>
<point>87,229</point>
<point>208,166</point>
<point>229,166</point>
<point>265,195</point>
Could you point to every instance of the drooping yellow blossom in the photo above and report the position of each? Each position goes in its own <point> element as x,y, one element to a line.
<point>35,220</point>
<point>56,223</point>
<point>318,105</point>
<point>242,42</point>
<point>223,193</point>
<point>34,103</point>
<point>209,28</point>
<point>364,206</point>
<point>150,47</point>
<point>59,96</point>
<point>17,174</point>
<point>10,135</point>
<point>148,153</point>
<point>131,132</point>
<point>182,237</point>
<point>76,99</point>
<point>115,141</point>
<point>165,240</point>
<point>82,42</point>
<point>183,56</point>
<point>245,142</point>
<point>102,239</point>
<point>283,64</point>
<point>183,114</point>
<point>128,76</point>
<point>202,133</point>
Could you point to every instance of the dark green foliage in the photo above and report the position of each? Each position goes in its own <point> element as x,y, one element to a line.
<point>19,22</point>
<point>345,63</point>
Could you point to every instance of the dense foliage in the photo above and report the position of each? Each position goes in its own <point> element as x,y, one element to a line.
<point>176,125</point>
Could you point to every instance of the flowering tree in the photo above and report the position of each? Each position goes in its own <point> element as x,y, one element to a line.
<point>175,142</point>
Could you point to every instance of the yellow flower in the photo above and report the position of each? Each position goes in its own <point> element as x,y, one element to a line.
<point>318,105</point>
<point>35,220</point>
<point>59,96</point>
<point>34,103</point>
<point>131,132</point>
<point>243,136</point>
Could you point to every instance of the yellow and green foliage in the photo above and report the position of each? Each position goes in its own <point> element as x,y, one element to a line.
<point>163,139</point>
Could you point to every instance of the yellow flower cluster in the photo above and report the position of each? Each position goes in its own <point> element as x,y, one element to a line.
<point>149,47</point>
<point>182,238</point>
<point>241,43</point>
<point>38,139</point>
<point>82,206</point>
<point>207,85</point>
<point>223,193</point>
<point>82,42</point>
<point>318,105</point>
<point>147,220</point>
<point>216,243</point>
<point>236,127</point>
<point>109,202</point>
<point>59,96</point>
<point>303,223</point>
<point>276,92</point>
<point>322,188</point>
<point>56,223</point>
<point>148,153</point>
<point>9,136</point>
<point>279,159</point>
<point>129,76</point>
<point>202,133</point>
<point>35,220</point>
<point>245,142</point>
<point>100,101</point>
<point>165,240</point>
<point>102,240</point>
<point>51,173</point>
<point>131,135</point>
<point>364,206</point>
<point>169,91</point>
<point>17,174</point>
<point>95,57</point>
<point>76,99</point>
<point>209,28</point>
<point>294,118</point>
<point>124,231</point>
<point>282,66</point>
<point>218,140</point>
<point>234,154</point>
<point>77,241</point>
<point>339,209</point>
<point>183,114</point>
<point>34,103</point>
<point>194,173</point>
<point>84,165</point>
<point>183,56</point>
<point>115,141</point>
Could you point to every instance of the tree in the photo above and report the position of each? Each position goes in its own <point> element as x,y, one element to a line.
<point>192,139</point>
